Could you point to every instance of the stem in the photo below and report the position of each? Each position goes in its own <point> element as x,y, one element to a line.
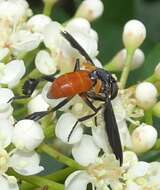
<point>151,79</point>
<point>38,181</point>
<point>48,5</point>
<point>126,69</point>
<point>148,117</point>
<point>59,156</point>
<point>61,174</point>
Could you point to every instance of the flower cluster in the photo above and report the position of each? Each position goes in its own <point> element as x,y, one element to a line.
<point>31,47</point>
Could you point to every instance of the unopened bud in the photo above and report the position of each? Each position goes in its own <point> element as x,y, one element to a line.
<point>146,95</point>
<point>134,34</point>
<point>90,9</point>
<point>118,61</point>
<point>143,138</point>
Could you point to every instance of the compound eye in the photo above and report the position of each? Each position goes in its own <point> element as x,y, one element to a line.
<point>93,75</point>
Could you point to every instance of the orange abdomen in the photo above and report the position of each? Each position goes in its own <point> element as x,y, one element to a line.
<point>70,84</point>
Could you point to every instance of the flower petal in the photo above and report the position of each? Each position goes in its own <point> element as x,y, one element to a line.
<point>5,95</point>
<point>6,132</point>
<point>34,104</point>
<point>86,151</point>
<point>64,127</point>
<point>100,138</point>
<point>28,163</point>
<point>138,170</point>
<point>45,63</point>
<point>19,70</point>
<point>77,180</point>
<point>27,135</point>
<point>5,185</point>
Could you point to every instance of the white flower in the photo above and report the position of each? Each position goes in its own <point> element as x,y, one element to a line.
<point>45,63</point>
<point>157,71</point>
<point>5,95</point>
<point>90,10</point>
<point>104,171</point>
<point>119,59</point>
<point>9,77</point>
<point>23,41</point>
<point>134,34</point>
<point>22,162</point>
<point>64,127</point>
<point>146,95</point>
<point>37,23</point>
<point>143,138</point>
<point>86,151</point>
<point>28,163</point>
<point>14,11</point>
<point>27,135</point>
<point>37,104</point>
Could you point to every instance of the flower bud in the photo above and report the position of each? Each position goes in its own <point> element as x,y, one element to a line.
<point>144,138</point>
<point>134,34</point>
<point>38,22</point>
<point>90,9</point>
<point>27,135</point>
<point>157,71</point>
<point>146,95</point>
<point>119,59</point>
<point>45,63</point>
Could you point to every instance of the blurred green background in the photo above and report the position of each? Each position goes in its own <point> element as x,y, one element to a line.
<point>110,27</point>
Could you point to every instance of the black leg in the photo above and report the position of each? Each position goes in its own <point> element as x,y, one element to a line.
<point>83,119</point>
<point>77,65</point>
<point>39,115</point>
<point>94,96</point>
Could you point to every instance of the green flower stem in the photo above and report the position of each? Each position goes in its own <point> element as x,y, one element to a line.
<point>152,79</point>
<point>61,174</point>
<point>48,5</point>
<point>148,117</point>
<point>48,131</point>
<point>26,186</point>
<point>111,66</point>
<point>126,69</point>
<point>59,156</point>
<point>38,181</point>
<point>156,109</point>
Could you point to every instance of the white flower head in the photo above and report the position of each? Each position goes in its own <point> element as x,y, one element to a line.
<point>45,63</point>
<point>134,34</point>
<point>37,104</point>
<point>64,127</point>
<point>90,10</point>
<point>27,135</point>
<point>12,73</point>
<point>37,23</point>
<point>146,95</point>
<point>143,138</point>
